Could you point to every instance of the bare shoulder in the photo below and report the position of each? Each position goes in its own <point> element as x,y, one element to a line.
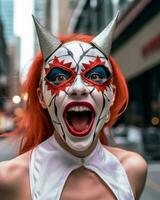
<point>12,176</point>
<point>135,167</point>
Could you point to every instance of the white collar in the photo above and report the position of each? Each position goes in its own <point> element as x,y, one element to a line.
<point>50,166</point>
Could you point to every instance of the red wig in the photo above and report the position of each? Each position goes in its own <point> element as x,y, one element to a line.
<point>36,122</point>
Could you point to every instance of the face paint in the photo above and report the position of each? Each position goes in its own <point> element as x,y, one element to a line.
<point>78,91</point>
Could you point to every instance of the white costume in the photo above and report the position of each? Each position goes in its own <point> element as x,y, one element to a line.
<point>50,166</point>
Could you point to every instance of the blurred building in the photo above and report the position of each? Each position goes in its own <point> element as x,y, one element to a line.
<point>6,13</point>
<point>91,16</point>
<point>136,48</point>
<point>47,12</point>
<point>10,62</point>
<point>5,35</point>
<point>66,9</point>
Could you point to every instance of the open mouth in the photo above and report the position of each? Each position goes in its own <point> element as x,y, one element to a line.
<point>79,118</point>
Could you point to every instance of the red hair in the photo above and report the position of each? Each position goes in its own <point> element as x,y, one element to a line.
<point>36,122</point>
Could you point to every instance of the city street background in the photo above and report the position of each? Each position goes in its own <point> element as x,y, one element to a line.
<point>136,48</point>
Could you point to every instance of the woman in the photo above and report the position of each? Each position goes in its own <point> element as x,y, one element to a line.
<point>74,90</point>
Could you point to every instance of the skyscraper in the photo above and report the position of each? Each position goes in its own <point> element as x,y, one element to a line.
<point>6,14</point>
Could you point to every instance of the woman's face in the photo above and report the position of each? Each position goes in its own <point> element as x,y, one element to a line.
<point>78,92</point>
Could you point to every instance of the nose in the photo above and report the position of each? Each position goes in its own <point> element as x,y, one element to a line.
<point>78,88</point>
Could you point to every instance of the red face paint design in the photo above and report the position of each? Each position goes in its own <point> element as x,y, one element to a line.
<point>83,68</point>
<point>92,64</point>
<point>56,63</point>
<point>55,89</point>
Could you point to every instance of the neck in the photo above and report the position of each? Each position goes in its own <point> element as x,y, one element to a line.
<point>79,154</point>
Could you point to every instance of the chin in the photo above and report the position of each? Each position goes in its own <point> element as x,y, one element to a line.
<point>80,146</point>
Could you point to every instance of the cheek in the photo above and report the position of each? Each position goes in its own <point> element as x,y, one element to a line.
<point>47,93</point>
<point>109,96</point>
<point>60,102</point>
<point>103,101</point>
<point>56,107</point>
<point>98,99</point>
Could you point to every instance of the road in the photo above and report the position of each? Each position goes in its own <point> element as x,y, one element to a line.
<point>9,149</point>
<point>152,188</point>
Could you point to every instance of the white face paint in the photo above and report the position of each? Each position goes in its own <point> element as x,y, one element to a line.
<point>77,89</point>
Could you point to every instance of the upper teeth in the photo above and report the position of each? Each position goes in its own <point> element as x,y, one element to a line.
<point>79,108</point>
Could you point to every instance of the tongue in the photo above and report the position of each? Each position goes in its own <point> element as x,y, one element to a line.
<point>79,123</point>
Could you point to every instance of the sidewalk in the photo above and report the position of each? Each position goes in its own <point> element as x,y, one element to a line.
<point>152,188</point>
<point>8,148</point>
